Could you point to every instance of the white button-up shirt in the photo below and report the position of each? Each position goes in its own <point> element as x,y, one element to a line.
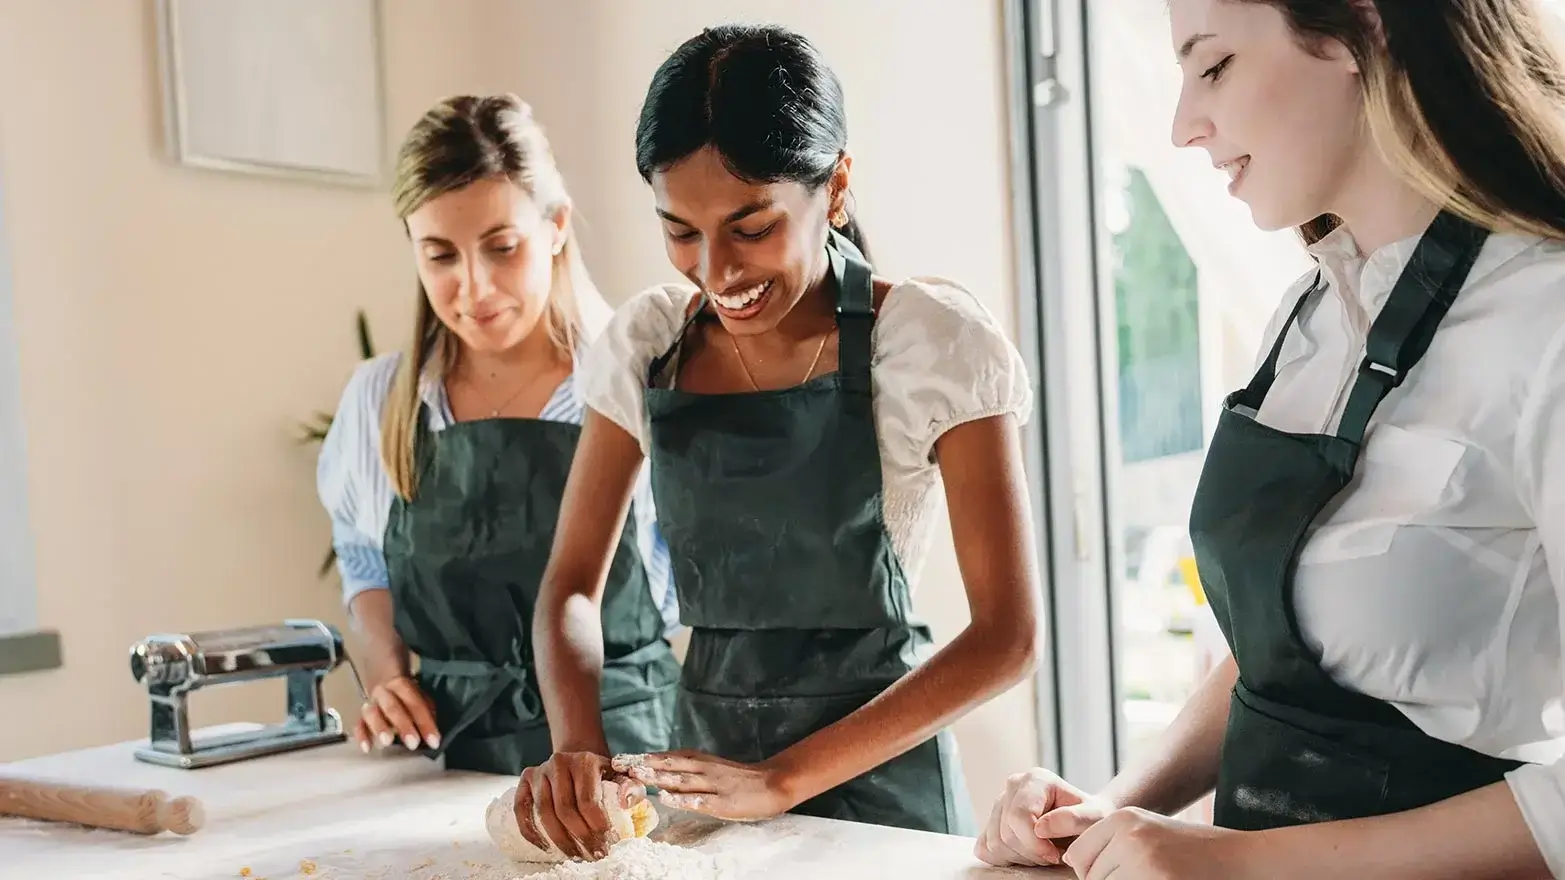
<point>1436,581</point>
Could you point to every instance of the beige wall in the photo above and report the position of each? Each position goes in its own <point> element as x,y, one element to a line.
<point>164,351</point>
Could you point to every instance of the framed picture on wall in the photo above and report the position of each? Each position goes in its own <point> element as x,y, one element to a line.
<point>289,88</point>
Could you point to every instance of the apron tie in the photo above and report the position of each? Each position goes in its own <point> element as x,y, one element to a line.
<point>499,678</point>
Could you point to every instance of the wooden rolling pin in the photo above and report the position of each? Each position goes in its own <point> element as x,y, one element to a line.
<point>137,810</point>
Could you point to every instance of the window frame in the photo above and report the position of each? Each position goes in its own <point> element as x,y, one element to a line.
<point>23,646</point>
<point>1058,271</point>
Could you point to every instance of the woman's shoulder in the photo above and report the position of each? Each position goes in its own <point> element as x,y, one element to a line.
<point>942,358</point>
<point>929,317</point>
<point>610,377</point>
<point>365,394</point>
<point>932,302</point>
<point>641,327</point>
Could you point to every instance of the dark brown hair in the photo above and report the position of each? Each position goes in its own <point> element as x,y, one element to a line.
<point>762,96</point>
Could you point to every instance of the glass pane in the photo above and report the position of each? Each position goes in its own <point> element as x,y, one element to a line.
<point>1194,284</point>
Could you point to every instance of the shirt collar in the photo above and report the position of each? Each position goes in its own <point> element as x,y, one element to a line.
<point>1368,279</point>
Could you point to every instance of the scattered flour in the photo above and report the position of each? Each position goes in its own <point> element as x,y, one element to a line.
<point>640,859</point>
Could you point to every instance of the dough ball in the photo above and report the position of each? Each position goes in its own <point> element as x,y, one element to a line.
<point>500,821</point>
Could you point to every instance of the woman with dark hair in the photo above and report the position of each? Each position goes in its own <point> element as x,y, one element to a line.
<point>1380,523</point>
<point>799,412</point>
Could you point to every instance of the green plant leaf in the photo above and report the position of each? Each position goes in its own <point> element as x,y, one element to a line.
<point>366,344</point>
<point>315,431</point>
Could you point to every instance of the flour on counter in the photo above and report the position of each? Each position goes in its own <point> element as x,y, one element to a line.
<point>500,822</point>
<point>640,859</point>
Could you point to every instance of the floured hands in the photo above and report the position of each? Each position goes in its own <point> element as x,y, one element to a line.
<point>714,786</point>
<point>562,801</point>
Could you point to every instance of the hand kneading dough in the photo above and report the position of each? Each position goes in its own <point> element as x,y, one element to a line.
<point>500,820</point>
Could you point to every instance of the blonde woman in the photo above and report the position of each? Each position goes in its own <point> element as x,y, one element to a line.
<point>1380,524</point>
<point>445,465</point>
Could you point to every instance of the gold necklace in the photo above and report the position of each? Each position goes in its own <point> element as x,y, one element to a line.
<point>494,411</point>
<point>734,341</point>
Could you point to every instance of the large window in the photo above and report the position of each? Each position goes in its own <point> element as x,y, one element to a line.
<point>22,649</point>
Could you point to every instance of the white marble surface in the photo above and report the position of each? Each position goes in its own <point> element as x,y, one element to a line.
<point>333,813</point>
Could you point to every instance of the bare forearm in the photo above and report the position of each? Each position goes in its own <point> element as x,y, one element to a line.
<point>567,621</point>
<point>977,665</point>
<point>1185,767</point>
<point>569,635</point>
<point>384,654</point>
<point>1478,834</point>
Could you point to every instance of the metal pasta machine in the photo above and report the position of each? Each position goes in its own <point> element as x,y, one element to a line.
<point>173,666</point>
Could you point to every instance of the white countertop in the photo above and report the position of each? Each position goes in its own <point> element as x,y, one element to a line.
<point>331,813</point>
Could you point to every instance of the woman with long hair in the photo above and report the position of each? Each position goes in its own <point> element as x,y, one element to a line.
<point>1380,522</point>
<point>445,465</point>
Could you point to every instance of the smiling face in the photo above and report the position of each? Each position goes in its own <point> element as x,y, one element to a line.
<point>1285,123</point>
<point>756,248</point>
<point>485,256</point>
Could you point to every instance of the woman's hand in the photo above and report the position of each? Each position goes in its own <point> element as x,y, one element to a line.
<point>561,801</point>
<point>714,786</point>
<point>1133,842</point>
<point>1035,818</point>
<point>397,709</point>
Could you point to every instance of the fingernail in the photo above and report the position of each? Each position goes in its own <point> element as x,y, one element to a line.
<point>364,746</point>
<point>434,740</point>
<point>386,738</point>
<point>411,742</point>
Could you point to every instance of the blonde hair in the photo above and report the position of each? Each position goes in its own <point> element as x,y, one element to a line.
<point>459,141</point>
<point>1464,98</point>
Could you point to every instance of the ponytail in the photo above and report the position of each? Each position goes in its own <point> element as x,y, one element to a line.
<point>852,231</point>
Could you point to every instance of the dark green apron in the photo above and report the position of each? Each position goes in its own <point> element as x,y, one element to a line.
<point>799,609</point>
<point>466,558</point>
<point>1299,747</point>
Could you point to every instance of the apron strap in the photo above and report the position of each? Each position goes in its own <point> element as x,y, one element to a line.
<point>1419,301</point>
<point>855,310</point>
<point>500,677</point>
<point>660,363</point>
<point>1254,394</point>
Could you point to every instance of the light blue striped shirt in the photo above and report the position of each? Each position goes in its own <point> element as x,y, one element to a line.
<point>356,492</point>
